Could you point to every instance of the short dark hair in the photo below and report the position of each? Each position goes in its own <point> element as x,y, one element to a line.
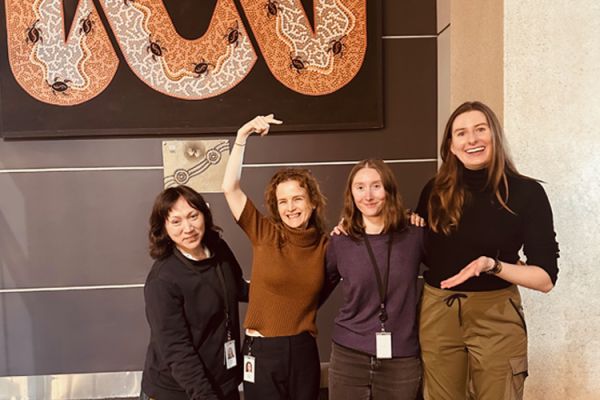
<point>161,245</point>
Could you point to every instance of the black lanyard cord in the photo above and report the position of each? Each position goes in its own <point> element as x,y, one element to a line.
<point>187,263</point>
<point>382,285</point>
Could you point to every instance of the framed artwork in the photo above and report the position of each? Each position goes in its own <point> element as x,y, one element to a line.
<point>199,164</point>
<point>81,68</point>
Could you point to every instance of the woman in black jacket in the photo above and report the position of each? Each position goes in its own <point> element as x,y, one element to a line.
<point>191,296</point>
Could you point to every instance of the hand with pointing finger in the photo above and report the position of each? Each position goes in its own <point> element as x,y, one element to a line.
<point>259,124</point>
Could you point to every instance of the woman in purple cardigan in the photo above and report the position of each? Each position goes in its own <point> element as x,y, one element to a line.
<point>375,349</point>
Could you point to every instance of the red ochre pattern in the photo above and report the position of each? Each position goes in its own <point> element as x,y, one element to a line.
<point>100,64</point>
<point>183,54</point>
<point>279,54</point>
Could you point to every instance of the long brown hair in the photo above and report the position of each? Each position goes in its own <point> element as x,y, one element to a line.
<point>394,213</point>
<point>161,245</point>
<point>448,193</point>
<point>307,181</point>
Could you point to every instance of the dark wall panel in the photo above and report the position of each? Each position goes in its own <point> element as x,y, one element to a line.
<point>72,332</point>
<point>97,235</point>
<point>409,17</point>
<point>77,228</point>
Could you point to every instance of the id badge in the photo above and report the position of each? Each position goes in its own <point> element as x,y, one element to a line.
<point>249,366</point>
<point>230,358</point>
<point>383,344</point>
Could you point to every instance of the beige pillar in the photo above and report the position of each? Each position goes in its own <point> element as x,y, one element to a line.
<point>477,53</point>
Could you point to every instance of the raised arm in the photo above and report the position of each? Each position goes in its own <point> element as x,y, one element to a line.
<point>235,196</point>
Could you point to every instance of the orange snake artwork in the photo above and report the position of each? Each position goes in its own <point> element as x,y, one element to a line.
<point>70,69</point>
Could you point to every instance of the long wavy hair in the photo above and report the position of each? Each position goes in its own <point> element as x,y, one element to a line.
<point>395,216</point>
<point>161,245</point>
<point>448,193</point>
<point>307,181</point>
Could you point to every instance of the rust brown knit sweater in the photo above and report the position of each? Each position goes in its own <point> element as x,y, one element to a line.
<point>286,281</point>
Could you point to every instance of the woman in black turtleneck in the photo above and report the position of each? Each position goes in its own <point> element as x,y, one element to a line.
<point>480,212</point>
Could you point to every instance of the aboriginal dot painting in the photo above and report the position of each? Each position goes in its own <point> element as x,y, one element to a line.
<point>54,66</point>
<point>312,61</point>
<point>121,67</point>
<point>188,69</point>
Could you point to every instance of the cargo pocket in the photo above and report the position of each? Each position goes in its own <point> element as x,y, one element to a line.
<point>519,310</point>
<point>518,366</point>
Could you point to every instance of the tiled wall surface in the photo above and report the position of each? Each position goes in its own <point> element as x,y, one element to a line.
<point>552,120</point>
<point>73,214</point>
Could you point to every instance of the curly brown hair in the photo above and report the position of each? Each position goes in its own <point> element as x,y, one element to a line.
<point>448,193</point>
<point>161,245</point>
<point>307,181</point>
<point>395,216</point>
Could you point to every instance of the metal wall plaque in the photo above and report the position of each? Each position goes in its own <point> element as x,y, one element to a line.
<point>199,164</point>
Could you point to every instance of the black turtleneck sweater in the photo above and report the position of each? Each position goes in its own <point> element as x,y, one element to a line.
<point>488,229</point>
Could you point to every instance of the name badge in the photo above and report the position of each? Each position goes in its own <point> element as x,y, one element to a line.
<point>249,366</point>
<point>383,344</point>
<point>230,357</point>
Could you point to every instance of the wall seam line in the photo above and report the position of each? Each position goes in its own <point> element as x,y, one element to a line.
<point>158,168</point>
<point>79,288</point>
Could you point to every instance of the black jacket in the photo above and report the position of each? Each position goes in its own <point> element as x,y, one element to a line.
<point>186,313</point>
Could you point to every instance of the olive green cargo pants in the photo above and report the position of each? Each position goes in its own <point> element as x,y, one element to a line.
<point>474,344</point>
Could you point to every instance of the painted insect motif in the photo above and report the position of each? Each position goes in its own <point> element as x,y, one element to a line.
<point>272,8</point>
<point>59,86</point>
<point>297,63</point>
<point>86,25</point>
<point>337,46</point>
<point>34,34</point>
<point>202,68</point>
<point>233,35</point>
<point>155,48</point>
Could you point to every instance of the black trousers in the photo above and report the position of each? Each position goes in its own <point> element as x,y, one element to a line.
<point>286,368</point>
<point>235,395</point>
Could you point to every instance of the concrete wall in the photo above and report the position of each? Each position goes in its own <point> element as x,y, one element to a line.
<point>552,120</point>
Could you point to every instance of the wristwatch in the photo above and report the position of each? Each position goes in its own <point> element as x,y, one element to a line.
<point>496,269</point>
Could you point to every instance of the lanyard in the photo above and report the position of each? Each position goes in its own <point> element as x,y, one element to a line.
<point>382,285</point>
<point>187,263</point>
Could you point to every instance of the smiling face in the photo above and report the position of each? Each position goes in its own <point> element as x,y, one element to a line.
<point>368,193</point>
<point>185,227</point>
<point>471,140</point>
<point>293,204</point>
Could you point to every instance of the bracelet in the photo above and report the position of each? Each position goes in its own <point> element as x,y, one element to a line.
<point>496,269</point>
<point>239,144</point>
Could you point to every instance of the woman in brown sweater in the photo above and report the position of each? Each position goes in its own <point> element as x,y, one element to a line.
<point>287,276</point>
